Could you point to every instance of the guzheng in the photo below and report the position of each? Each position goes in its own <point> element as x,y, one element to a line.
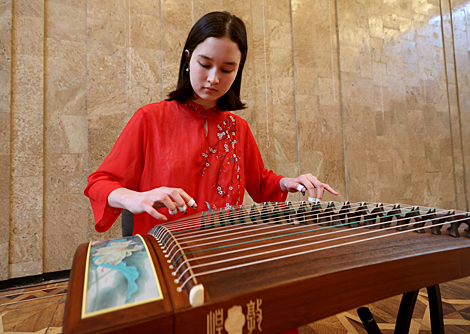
<point>263,268</point>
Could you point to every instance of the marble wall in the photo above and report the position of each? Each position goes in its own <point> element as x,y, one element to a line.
<point>372,96</point>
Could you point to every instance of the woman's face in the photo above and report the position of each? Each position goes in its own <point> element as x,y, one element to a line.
<point>212,69</point>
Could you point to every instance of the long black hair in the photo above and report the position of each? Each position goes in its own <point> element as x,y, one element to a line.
<point>218,25</point>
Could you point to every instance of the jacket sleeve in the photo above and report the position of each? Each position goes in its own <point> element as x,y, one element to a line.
<point>262,184</point>
<point>122,168</point>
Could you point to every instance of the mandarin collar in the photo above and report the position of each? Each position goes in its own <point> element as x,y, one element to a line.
<point>199,110</point>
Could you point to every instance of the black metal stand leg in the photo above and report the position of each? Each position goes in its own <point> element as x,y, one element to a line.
<point>435,309</point>
<point>405,312</point>
<point>368,320</point>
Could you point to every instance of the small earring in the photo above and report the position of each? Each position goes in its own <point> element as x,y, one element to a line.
<point>187,69</point>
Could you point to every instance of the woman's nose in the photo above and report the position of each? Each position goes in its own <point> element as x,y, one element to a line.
<point>213,77</point>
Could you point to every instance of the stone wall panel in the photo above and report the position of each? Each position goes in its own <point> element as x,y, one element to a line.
<point>369,96</point>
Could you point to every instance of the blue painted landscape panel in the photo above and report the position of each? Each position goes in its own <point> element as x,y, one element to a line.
<point>120,274</point>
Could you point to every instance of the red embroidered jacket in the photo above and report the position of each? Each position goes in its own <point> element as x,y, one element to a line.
<point>165,144</point>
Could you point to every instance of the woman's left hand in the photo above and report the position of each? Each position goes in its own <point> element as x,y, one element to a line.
<point>307,182</point>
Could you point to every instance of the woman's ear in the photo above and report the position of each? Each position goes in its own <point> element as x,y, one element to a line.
<point>186,53</point>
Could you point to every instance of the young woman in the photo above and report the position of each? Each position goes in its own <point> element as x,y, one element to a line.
<point>190,148</point>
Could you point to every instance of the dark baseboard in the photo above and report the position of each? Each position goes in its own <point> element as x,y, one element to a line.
<point>14,283</point>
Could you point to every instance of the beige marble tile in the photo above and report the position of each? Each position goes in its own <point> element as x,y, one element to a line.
<point>281,62</point>
<point>64,213</point>
<point>240,8</point>
<point>146,65</point>
<point>106,88</point>
<point>462,201</point>
<point>33,8</point>
<point>177,14</point>
<point>26,245</point>
<point>259,24</point>
<point>66,95</point>
<point>27,136</point>
<point>282,91</point>
<point>106,37</point>
<point>59,250</point>
<point>116,10</point>
<point>307,90</point>
<point>248,83</point>
<point>24,269</point>
<point>394,96</point>
<point>30,35</point>
<point>5,218</point>
<point>5,50</point>
<point>66,173</point>
<point>200,8</point>
<point>5,95</point>
<point>6,14</point>
<point>78,3</point>
<point>5,135</point>
<point>65,59</point>
<point>376,26</point>
<point>288,169</point>
<point>284,133</point>
<point>28,78</point>
<point>66,22</point>
<point>66,134</point>
<point>328,92</point>
<point>278,10</point>
<point>4,250</point>
<point>27,165</point>
<point>170,75</point>
<point>145,32</point>
<point>173,41</point>
<point>305,57</point>
<point>266,143</point>
<point>26,199</point>
<point>145,7</point>
<point>278,34</point>
<point>5,192</point>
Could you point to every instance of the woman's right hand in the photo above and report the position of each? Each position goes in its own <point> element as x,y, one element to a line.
<point>149,201</point>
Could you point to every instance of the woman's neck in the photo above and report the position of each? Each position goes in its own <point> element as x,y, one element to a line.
<point>204,103</point>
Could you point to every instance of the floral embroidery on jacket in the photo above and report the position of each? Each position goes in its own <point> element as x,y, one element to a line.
<point>227,160</point>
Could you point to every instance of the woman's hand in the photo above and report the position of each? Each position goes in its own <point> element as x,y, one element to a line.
<point>309,182</point>
<point>149,201</point>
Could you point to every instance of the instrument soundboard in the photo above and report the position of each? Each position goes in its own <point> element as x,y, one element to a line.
<point>263,268</point>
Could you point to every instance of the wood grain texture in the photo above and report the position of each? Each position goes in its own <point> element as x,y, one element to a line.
<point>309,282</point>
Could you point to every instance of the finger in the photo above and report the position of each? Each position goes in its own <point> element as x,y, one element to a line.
<point>319,189</point>
<point>154,213</point>
<point>331,190</point>
<point>181,198</point>
<point>167,202</point>
<point>192,203</point>
<point>313,200</point>
<point>301,188</point>
<point>309,185</point>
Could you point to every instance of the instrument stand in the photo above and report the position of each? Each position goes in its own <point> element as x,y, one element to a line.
<point>405,313</point>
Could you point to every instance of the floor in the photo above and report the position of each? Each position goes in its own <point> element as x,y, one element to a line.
<point>40,309</point>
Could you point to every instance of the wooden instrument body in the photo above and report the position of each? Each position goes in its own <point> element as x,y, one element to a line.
<point>290,292</point>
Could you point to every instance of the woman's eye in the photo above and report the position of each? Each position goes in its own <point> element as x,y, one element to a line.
<point>205,66</point>
<point>227,71</point>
